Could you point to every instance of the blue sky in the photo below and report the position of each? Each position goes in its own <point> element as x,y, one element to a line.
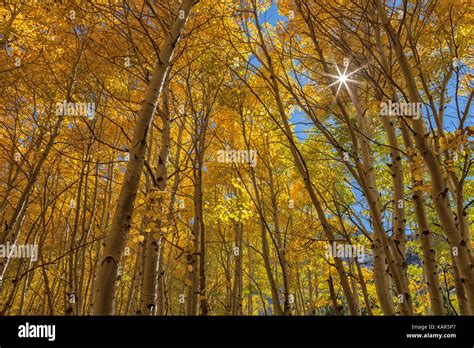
<point>301,122</point>
<point>271,15</point>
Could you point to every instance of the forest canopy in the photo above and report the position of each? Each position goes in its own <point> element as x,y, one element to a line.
<point>236,157</point>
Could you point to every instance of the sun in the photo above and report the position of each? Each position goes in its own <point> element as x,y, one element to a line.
<point>342,78</point>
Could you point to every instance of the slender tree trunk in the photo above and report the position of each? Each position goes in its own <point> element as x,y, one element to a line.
<point>332,294</point>
<point>153,246</point>
<point>280,244</point>
<point>238,280</point>
<point>265,248</point>
<point>115,242</point>
<point>363,286</point>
